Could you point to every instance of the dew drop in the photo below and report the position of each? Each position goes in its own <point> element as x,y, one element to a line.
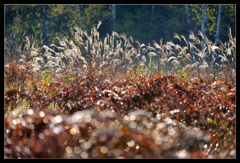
<point>126,118</point>
<point>183,154</point>
<point>30,111</point>
<point>8,140</point>
<point>137,147</point>
<point>132,117</point>
<point>58,118</point>
<point>87,145</point>
<point>41,136</point>
<point>18,148</point>
<point>41,114</point>
<point>73,131</point>
<point>46,132</point>
<point>77,150</point>
<point>232,152</point>
<point>131,143</point>
<point>51,125</point>
<point>56,130</point>
<point>45,120</point>
<point>84,155</point>
<point>14,122</point>
<point>87,118</point>
<point>69,149</point>
<point>104,149</point>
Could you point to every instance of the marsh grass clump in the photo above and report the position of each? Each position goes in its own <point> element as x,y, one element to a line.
<point>117,98</point>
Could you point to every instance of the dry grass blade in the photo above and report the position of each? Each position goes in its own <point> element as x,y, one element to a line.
<point>144,58</point>
<point>192,37</point>
<point>99,23</point>
<point>215,47</point>
<point>151,48</point>
<point>200,34</point>
<point>177,36</point>
<point>115,34</point>
<point>183,51</point>
<point>131,39</point>
<point>178,47</point>
<point>170,43</point>
<point>143,45</point>
<point>150,54</point>
<point>184,39</point>
<point>175,62</point>
<point>170,58</point>
<point>123,35</point>
<point>188,57</point>
<point>158,47</point>
<point>163,61</point>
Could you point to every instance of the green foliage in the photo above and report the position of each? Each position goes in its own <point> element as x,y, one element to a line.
<point>218,124</point>
<point>213,121</point>
<point>46,79</point>
<point>142,68</point>
<point>152,65</point>
<point>179,72</point>
<point>68,79</point>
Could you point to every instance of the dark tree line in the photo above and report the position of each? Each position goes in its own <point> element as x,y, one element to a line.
<point>143,22</point>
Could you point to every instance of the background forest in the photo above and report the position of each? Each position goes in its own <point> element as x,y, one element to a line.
<point>143,22</point>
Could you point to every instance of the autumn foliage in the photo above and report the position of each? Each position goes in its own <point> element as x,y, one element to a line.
<point>155,116</point>
<point>104,99</point>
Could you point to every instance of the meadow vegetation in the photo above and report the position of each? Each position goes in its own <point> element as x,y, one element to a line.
<point>118,98</point>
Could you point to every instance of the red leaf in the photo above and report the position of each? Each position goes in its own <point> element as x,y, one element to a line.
<point>187,110</point>
<point>177,117</point>
<point>194,109</point>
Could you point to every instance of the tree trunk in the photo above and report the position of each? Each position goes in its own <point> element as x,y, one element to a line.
<point>14,35</point>
<point>153,6</point>
<point>80,16</point>
<point>8,6</point>
<point>190,33</point>
<point>163,20</point>
<point>217,35</point>
<point>204,19</point>
<point>195,34</point>
<point>46,25</point>
<point>114,17</point>
<point>195,29</point>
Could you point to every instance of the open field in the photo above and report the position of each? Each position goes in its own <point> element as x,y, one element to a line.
<point>118,98</point>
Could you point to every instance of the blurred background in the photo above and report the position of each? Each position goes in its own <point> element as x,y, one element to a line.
<point>143,22</point>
